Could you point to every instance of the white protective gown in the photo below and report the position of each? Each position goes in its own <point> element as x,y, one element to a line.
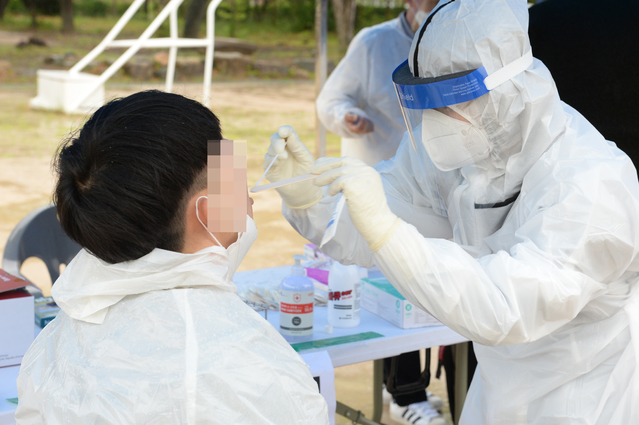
<point>361,83</point>
<point>545,286</point>
<point>164,339</point>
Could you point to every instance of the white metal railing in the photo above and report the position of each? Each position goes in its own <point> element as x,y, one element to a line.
<point>173,42</point>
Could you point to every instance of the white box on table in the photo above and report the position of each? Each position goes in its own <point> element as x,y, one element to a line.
<point>381,298</point>
<point>16,319</point>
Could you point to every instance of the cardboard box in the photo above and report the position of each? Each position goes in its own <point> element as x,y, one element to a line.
<point>16,319</point>
<point>381,298</point>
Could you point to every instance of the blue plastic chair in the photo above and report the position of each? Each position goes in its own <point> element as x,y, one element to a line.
<point>39,235</point>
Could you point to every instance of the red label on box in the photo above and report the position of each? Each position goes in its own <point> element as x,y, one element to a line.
<point>16,293</point>
<point>9,282</point>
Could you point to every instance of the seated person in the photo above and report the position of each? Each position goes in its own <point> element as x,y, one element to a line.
<point>151,329</point>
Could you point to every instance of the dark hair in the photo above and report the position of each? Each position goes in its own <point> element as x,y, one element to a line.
<point>124,179</point>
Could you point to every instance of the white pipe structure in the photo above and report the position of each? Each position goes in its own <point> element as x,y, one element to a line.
<point>109,37</point>
<point>210,48</point>
<point>145,40</point>
<point>170,66</point>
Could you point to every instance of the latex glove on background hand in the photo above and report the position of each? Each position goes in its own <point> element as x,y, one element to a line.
<point>362,187</point>
<point>358,124</point>
<point>294,160</point>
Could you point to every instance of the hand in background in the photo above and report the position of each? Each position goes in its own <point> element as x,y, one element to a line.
<point>358,124</point>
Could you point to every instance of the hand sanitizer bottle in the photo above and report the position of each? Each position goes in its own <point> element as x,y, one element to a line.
<point>344,292</point>
<point>296,303</point>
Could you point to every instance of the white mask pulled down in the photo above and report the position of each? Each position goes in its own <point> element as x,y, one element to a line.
<point>238,249</point>
<point>452,143</point>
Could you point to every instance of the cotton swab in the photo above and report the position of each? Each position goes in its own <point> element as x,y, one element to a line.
<point>286,182</point>
<point>265,171</point>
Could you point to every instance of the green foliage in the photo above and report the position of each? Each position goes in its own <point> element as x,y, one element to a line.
<point>286,15</point>
<point>369,15</point>
<point>91,8</point>
<point>16,7</point>
<point>295,15</point>
<point>233,11</point>
<point>122,7</point>
<point>303,14</point>
<point>44,7</point>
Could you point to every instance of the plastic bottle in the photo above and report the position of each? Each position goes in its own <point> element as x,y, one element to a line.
<point>344,295</point>
<point>296,303</point>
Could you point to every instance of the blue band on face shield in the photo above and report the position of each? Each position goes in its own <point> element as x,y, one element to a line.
<point>437,92</point>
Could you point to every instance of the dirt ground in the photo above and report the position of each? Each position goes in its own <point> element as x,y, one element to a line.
<point>249,111</point>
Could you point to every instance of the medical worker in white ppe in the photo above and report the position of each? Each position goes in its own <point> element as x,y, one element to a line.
<point>358,101</point>
<point>543,268</point>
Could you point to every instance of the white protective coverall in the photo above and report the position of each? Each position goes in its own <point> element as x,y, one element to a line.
<point>164,339</point>
<point>549,293</point>
<point>361,83</point>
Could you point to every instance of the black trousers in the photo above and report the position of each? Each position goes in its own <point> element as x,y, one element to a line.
<point>447,361</point>
<point>408,371</point>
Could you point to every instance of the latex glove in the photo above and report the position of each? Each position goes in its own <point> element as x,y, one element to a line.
<point>358,124</point>
<point>294,160</point>
<point>362,187</point>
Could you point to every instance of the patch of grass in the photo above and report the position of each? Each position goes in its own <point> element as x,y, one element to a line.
<point>28,133</point>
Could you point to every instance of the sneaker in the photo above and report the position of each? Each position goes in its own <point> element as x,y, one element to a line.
<point>435,402</point>
<point>416,414</point>
<point>386,396</point>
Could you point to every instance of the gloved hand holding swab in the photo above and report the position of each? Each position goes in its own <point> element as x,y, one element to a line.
<point>288,161</point>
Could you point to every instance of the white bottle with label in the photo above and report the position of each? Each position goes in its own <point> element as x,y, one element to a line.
<point>344,296</point>
<point>296,303</point>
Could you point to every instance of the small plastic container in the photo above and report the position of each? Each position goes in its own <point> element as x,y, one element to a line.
<point>344,296</point>
<point>297,295</point>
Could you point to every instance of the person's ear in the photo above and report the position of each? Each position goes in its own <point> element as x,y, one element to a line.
<point>195,235</point>
<point>203,210</point>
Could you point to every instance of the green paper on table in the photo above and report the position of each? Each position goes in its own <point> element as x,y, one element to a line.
<point>323,343</point>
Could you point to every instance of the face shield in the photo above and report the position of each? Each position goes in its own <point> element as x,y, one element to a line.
<point>433,111</point>
<point>433,116</point>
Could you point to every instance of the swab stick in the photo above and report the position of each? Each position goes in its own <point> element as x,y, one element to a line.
<point>266,171</point>
<point>286,182</point>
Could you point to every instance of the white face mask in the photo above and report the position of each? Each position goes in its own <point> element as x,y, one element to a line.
<point>238,249</point>
<point>452,143</point>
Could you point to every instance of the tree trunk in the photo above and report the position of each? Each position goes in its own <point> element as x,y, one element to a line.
<point>34,13</point>
<point>233,18</point>
<point>66,11</point>
<point>194,16</point>
<point>3,5</point>
<point>345,11</point>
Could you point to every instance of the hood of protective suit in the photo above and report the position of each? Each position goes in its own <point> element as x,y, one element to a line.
<point>464,35</point>
<point>175,345</point>
<point>89,286</point>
